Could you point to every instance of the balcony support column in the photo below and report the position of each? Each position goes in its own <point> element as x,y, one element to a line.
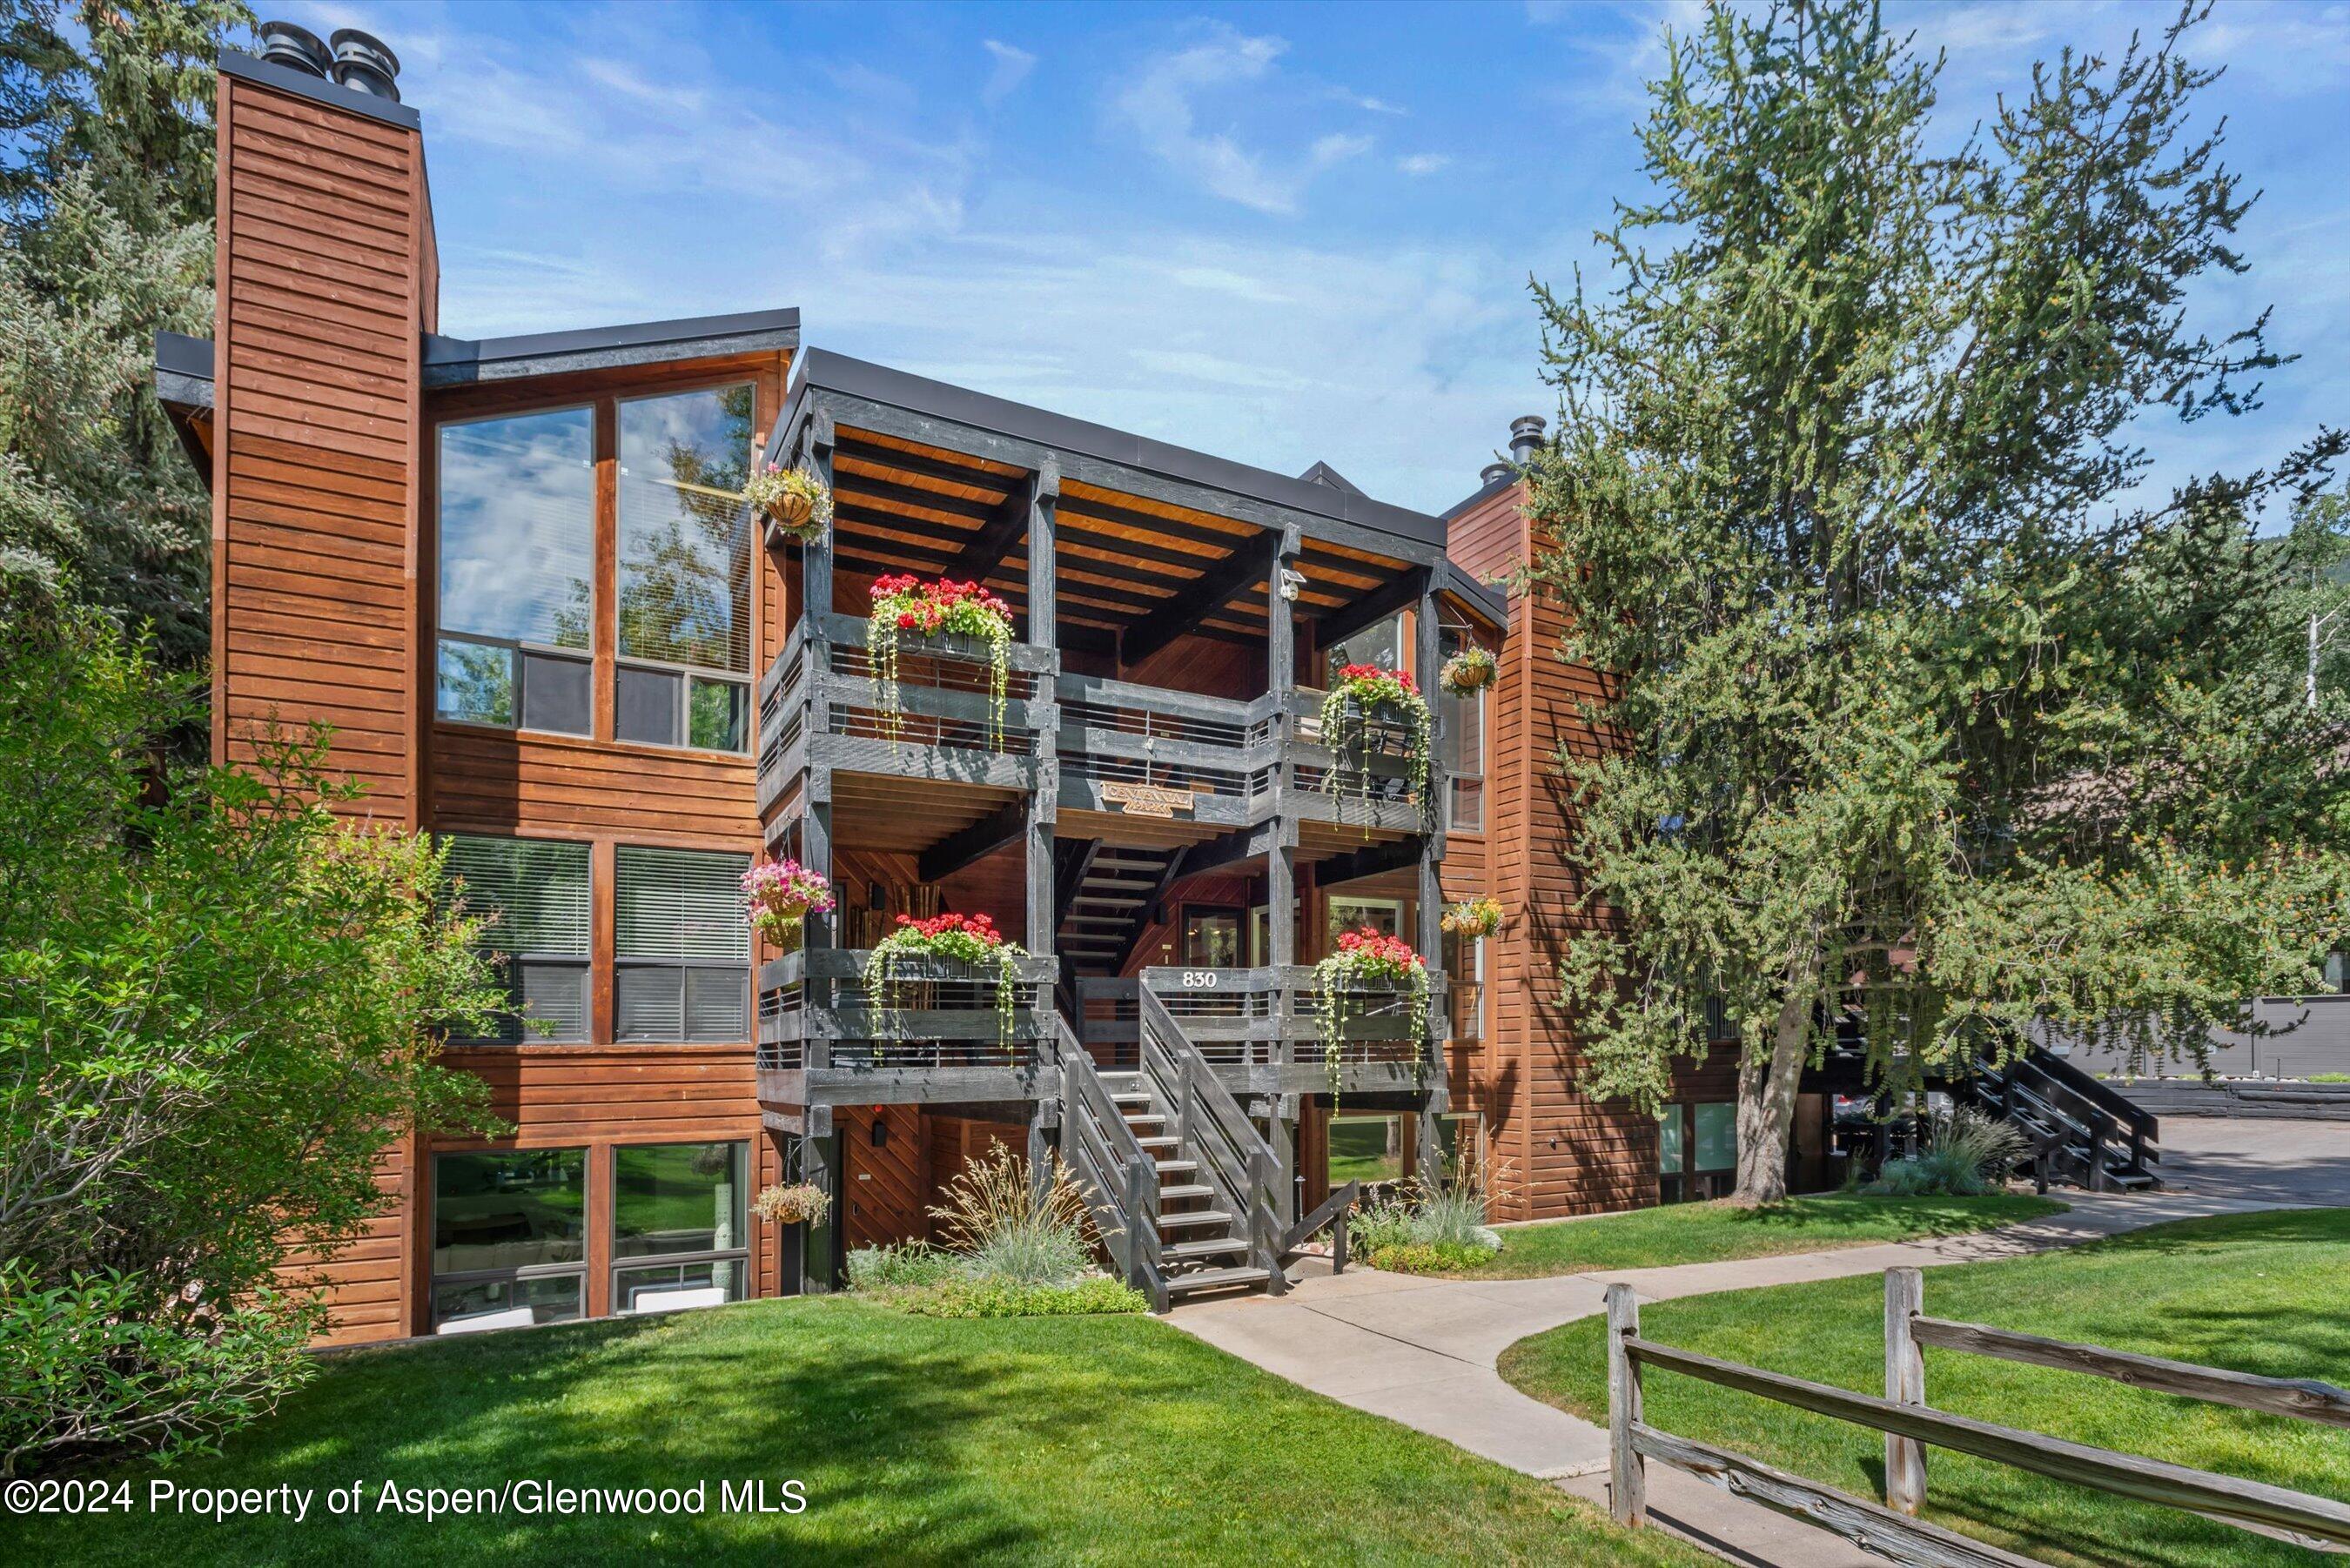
<point>1427,659</point>
<point>1043,801</point>
<point>1280,684</point>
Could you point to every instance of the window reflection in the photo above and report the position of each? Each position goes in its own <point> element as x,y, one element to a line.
<point>517,510</point>
<point>684,538</point>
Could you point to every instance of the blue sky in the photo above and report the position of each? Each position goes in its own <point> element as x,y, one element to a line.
<point>1276,232</point>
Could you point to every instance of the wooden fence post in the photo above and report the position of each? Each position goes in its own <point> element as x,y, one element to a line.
<point>1905,1384</point>
<point>1627,1481</point>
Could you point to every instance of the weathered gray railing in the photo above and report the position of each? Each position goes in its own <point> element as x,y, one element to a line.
<point>1145,751</point>
<point>1910,1425</point>
<point>944,1040</point>
<point>1118,1175</point>
<point>1374,785</point>
<point>1109,1021</point>
<point>1269,1018</point>
<point>1234,1157</point>
<point>1335,1211</point>
<point>820,702</point>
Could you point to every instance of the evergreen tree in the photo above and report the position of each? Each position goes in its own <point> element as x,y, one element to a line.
<point>1924,714</point>
<point>106,235</point>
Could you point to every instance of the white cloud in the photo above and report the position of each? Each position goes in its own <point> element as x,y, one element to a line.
<point>1420,163</point>
<point>1012,68</point>
<point>1366,103</point>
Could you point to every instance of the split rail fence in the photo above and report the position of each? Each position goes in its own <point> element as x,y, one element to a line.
<point>1910,1426</point>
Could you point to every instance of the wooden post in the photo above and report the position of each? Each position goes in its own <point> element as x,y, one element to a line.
<point>1044,802</point>
<point>1628,1479</point>
<point>1905,1384</point>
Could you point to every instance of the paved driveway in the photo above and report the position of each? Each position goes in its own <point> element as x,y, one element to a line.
<point>2271,1160</point>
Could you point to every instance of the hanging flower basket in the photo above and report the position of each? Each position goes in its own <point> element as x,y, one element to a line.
<point>1468,672</point>
<point>1363,955</point>
<point>802,1202</point>
<point>1363,694</point>
<point>1479,917</point>
<point>781,894</point>
<point>905,603</point>
<point>794,500</point>
<point>970,940</point>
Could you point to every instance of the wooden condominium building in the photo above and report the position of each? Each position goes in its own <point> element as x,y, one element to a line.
<point>517,577</point>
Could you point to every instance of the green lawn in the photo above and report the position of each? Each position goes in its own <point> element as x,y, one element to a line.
<point>2260,1293</point>
<point>1711,1232</point>
<point>917,1439</point>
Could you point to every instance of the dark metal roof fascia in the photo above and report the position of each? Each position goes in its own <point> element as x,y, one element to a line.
<point>461,361</point>
<point>302,84</point>
<point>184,370</point>
<point>857,378</point>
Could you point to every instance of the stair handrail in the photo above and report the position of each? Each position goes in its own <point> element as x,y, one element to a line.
<point>2145,1126</point>
<point>1120,1171</point>
<point>1339,1206</point>
<point>1236,1157</point>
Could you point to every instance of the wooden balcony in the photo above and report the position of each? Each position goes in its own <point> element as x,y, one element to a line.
<point>818,705</point>
<point>823,1041</point>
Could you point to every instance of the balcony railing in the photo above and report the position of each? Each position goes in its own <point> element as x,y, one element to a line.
<point>1262,1025</point>
<point>1148,751</point>
<point>1373,785</point>
<point>823,701</point>
<point>823,1037</point>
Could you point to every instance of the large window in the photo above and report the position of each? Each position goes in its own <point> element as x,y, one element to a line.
<point>509,1238</point>
<point>1211,939</point>
<point>533,896</point>
<point>1464,974</point>
<point>685,562</point>
<point>1462,749</point>
<point>1368,1149</point>
<point>682,946</point>
<point>1384,916</point>
<point>1697,1150</point>
<point>517,551</point>
<point>1381,645</point>
<point>678,1234</point>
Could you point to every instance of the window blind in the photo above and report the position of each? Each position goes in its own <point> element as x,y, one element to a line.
<point>534,892</point>
<point>680,906</point>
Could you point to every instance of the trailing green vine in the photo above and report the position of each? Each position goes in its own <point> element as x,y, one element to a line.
<point>1365,955</point>
<point>904,603</point>
<point>1362,694</point>
<point>966,938</point>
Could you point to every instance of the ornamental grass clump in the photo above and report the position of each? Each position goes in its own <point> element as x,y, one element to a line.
<point>1363,955</point>
<point>781,894</point>
<point>1971,1156</point>
<point>970,940</point>
<point>794,499</point>
<point>1423,1230</point>
<point>1007,1247</point>
<point>1365,696</point>
<point>903,603</point>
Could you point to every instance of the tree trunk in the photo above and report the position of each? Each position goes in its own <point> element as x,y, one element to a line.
<point>1766,1102</point>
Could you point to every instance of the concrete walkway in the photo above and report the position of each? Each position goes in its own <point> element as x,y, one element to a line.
<point>1422,1352</point>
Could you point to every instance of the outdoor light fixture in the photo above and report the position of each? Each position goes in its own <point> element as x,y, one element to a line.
<point>1291,581</point>
<point>880,1133</point>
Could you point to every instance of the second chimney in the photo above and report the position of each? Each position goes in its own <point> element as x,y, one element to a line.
<point>1525,438</point>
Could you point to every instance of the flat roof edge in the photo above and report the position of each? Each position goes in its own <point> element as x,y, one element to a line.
<point>318,89</point>
<point>825,371</point>
<point>461,361</point>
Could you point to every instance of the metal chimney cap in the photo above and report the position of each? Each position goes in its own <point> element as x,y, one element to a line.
<point>364,65</point>
<point>1494,473</point>
<point>295,47</point>
<point>1525,427</point>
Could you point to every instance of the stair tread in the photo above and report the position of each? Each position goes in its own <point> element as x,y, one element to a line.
<point>1206,1246</point>
<point>1179,1165</point>
<point>1198,1217</point>
<point>1188,1190</point>
<point>1217,1279</point>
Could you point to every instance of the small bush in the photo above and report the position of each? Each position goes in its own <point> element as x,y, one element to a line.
<point>1005,1298</point>
<point>915,1264</point>
<point>1008,1231</point>
<point>1431,1257</point>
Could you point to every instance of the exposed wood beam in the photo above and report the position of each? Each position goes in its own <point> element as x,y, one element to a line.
<point>928,466</point>
<point>1009,526</point>
<point>1240,844</point>
<point>1167,875</point>
<point>1404,589</point>
<point>1003,826</point>
<point>1244,568</point>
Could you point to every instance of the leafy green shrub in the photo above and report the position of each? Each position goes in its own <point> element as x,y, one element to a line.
<point>217,1004</point>
<point>915,1264</point>
<point>1418,1227</point>
<point>1005,1298</point>
<point>1431,1257</point>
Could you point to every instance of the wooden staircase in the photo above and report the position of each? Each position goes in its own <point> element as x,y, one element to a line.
<point>1185,1191</point>
<point>2083,1131</point>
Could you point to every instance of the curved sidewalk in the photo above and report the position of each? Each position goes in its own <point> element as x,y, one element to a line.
<point>1422,1352</point>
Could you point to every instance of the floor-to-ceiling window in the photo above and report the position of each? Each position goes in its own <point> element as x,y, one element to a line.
<point>679,1232</point>
<point>509,1238</point>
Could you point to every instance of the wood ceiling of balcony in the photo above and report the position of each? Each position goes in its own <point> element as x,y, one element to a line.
<point>903,506</point>
<point>873,811</point>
